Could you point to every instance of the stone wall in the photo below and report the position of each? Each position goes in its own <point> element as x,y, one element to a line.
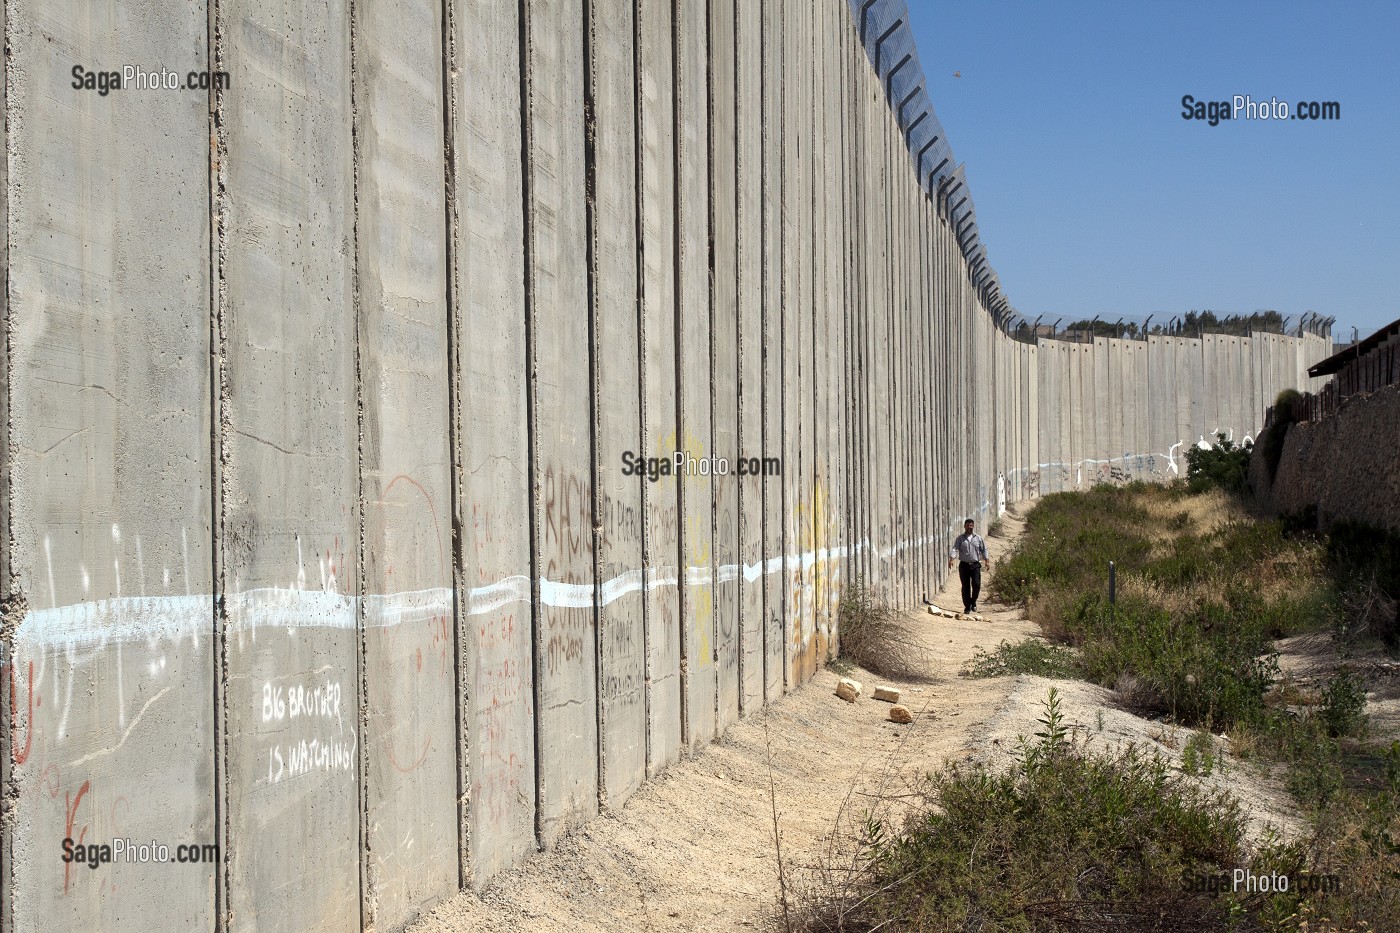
<point>1347,466</point>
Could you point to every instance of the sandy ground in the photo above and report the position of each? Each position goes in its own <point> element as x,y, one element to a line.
<point>1308,661</point>
<point>694,850</point>
<point>1095,721</point>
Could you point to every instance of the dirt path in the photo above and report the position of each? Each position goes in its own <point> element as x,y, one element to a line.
<point>693,850</point>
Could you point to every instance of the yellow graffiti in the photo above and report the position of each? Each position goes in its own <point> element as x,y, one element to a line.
<point>699,554</point>
<point>814,586</point>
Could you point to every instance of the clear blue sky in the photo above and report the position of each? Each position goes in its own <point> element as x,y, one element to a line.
<point>1095,197</point>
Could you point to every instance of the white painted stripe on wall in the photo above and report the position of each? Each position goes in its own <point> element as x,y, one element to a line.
<point>153,618</point>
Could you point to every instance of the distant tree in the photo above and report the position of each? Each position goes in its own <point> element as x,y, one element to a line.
<point>1200,322</point>
<point>1208,322</point>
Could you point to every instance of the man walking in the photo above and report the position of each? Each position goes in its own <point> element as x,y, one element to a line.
<point>970,551</point>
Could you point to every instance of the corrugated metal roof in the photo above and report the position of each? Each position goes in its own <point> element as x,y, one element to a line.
<point>1336,361</point>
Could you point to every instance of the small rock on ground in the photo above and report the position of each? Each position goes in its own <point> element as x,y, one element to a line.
<point>848,689</point>
<point>901,714</point>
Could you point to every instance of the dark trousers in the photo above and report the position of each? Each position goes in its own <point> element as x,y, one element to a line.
<point>970,572</point>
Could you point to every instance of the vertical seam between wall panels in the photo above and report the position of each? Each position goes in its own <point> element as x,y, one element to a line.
<point>711,300</point>
<point>367,907</point>
<point>739,523</point>
<point>783,546</point>
<point>456,452</point>
<point>847,280</point>
<point>218,426</point>
<point>815,300</point>
<point>678,286</point>
<point>763,338</point>
<point>590,209</point>
<point>10,601</point>
<point>531,440</point>
<point>639,233</point>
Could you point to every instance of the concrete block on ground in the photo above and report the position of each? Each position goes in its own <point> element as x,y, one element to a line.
<point>888,694</point>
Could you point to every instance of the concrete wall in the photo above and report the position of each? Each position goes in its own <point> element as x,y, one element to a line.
<point>317,541</point>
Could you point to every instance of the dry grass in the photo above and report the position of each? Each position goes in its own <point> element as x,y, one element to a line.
<point>878,637</point>
<point>1178,600</point>
<point>1369,611</point>
<point>1198,514</point>
<point>1050,608</point>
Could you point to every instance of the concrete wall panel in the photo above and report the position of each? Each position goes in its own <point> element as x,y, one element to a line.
<point>750,102</point>
<point>565,638</point>
<point>495,483</point>
<point>291,521</point>
<point>724,355</point>
<point>617,412</point>
<point>694,360</point>
<point>659,402</point>
<point>107,655</point>
<point>410,659</point>
<point>774,360</point>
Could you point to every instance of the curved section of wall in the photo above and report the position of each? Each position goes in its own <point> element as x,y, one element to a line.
<point>342,525</point>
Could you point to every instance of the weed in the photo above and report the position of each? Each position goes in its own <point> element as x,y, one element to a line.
<point>1068,840</point>
<point>1343,708</point>
<point>1053,734</point>
<point>1198,756</point>
<point>877,637</point>
<point>997,529</point>
<point>1064,841</point>
<point>1030,656</point>
<point>783,899</point>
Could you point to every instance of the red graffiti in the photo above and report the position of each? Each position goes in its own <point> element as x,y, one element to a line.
<point>72,812</point>
<point>21,756</point>
<point>410,646</point>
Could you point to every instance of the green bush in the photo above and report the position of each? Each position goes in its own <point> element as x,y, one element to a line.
<point>1063,841</point>
<point>1030,656</point>
<point>1271,441</point>
<point>1198,756</point>
<point>1366,562</point>
<point>1070,538</point>
<point>1212,668</point>
<point>1310,756</point>
<point>1223,465</point>
<point>1343,708</point>
<point>1194,637</point>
